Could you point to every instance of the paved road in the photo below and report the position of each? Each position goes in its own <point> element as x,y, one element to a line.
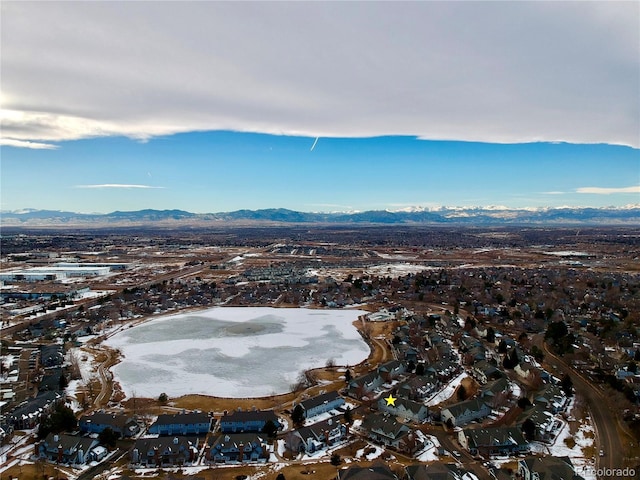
<point>604,418</point>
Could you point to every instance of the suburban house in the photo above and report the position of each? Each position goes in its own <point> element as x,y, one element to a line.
<point>493,441</point>
<point>467,342</point>
<point>240,421</point>
<point>483,371</point>
<point>315,437</point>
<point>553,398</point>
<point>97,422</point>
<point>496,392</point>
<point>386,430</point>
<point>391,370</point>
<point>407,409</point>
<point>418,387</point>
<point>30,414</point>
<point>362,386</point>
<point>444,369</point>
<point>182,424</point>
<point>165,451</point>
<point>379,471</point>
<point>237,447</point>
<point>409,353</point>
<point>545,422</point>
<point>542,468</point>
<point>435,470</point>
<point>321,404</point>
<point>524,370</point>
<point>61,448</point>
<point>462,413</point>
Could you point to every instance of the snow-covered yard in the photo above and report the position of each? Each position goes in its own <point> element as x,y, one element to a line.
<point>447,391</point>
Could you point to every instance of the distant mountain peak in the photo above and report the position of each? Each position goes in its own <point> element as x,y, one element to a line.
<point>490,215</point>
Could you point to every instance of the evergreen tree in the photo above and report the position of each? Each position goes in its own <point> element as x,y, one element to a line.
<point>108,437</point>
<point>270,429</point>
<point>298,415</point>
<point>462,392</point>
<point>62,383</point>
<point>348,416</point>
<point>567,385</point>
<point>529,429</point>
<point>61,420</point>
<point>491,335</point>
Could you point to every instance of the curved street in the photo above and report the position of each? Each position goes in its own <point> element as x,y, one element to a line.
<point>605,419</point>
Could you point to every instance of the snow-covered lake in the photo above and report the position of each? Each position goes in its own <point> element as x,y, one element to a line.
<point>233,351</point>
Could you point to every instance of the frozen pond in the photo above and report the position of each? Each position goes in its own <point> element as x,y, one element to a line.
<point>234,351</point>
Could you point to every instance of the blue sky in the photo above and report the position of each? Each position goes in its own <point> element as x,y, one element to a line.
<point>224,171</point>
<point>215,106</point>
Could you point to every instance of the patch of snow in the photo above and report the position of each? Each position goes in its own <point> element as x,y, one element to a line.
<point>447,391</point>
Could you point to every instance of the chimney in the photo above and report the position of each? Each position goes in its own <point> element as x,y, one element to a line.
<point>326,437</point>
<point>60,451</point>
<point>240,453</point>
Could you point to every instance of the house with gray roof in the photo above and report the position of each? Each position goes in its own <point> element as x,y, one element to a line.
<point>495,392</point>
<point>405,408</point>
<point>364,385</point>
<point>384,429</point>
<point>237,448</point>
<point>493,441</point>
<point>547,468</point>
<point>97,422</point>
<point>418,387</point>
<point>69,449</point>
<point>461,413</point>
<point>316,437</point>
<point>240,421</point>
<point>436,471</point>
<point>378,471</point>
<point>484,371</point>
<point>552,397</point>
<point>195,423</point>
<point>321,404</point>
<point>165,451</point>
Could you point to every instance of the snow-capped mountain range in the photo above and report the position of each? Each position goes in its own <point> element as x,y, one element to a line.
<point>496,215</point>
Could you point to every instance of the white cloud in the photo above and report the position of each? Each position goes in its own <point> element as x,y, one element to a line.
<point>502,72</point>
<point>608,191</point>
<point>12,142</point>
<point>554,193</point>
<point>115,185</point>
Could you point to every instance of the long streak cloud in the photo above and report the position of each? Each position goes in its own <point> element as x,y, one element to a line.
<point>504,72</point>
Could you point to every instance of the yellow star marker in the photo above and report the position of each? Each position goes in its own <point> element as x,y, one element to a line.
<point>391,400</point>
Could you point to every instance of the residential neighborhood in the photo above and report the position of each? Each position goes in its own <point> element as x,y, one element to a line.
<point>473,372</point>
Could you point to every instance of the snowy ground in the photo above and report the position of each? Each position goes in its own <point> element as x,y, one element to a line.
<point>88,371</point>
<point>396,269</point>
<point>234,351</point>
<point>429,452</point>
<point>584,437</point>
<point>447,391</point>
